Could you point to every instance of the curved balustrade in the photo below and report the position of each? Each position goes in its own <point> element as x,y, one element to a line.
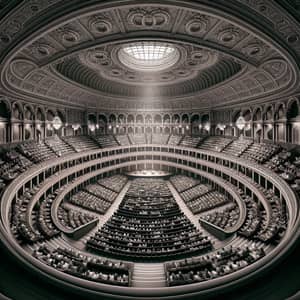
<point>192,160</point>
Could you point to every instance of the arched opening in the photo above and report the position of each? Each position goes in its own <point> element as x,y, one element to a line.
<point>205,125</point>
<point>4,122</point>
<point>293,123</point>
<point>185,119</point>
<point>268,126</point>
<point>92,122</point>
<point>280,117</point>
<point>248,117</point>
<point>121,119</point>
<point>17,115</point>
<point>167,118</point>
<point>139,119</point>
<point>148,119</point>
<point>49,128</point>
<point>130,119</point>
<point>176,119</point>
<point>102,125</point>
<point>195,122</point>
<point>157,119</point>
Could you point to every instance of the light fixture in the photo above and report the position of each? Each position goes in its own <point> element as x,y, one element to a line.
<point>149,56</point>
<point>57,123</point>
<point>92,127</point>
<point>207,126</point>
<point>240,123</point>
<point>75,126</point>
<point>221,126</point>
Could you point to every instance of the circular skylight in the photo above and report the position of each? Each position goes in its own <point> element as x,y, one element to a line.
<point>148,56</point>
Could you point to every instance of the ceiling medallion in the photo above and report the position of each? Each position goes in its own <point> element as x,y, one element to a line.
<point>68,35</point>
<point>99,57</point>
<point>199,24</point>
<point>100,24</point>
<point>228,35</point>
<point>41,49</point>
<point>148,18</point>
<point>148,56</point>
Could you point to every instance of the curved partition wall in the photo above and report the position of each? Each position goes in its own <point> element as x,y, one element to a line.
<point>149,149</point>
<point>226,173</point>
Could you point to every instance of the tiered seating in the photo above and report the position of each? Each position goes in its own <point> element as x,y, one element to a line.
<point>182,183</point>
<point>195,192</point>
<point>89,268</point>
<point>138,138</point>
<point>160,139</point>
<point>237,147</point>
<point>101,192</point>
<point>81,143</point>
<point>148,225</point>
<point>252,220</point>
<point>174,139</point>
<point>268,231</point>
<point>215,143</point>
<point>106,141</point>
<point>191,141</point>
<point>90,202</point>
<point>207,201</point>
<point>59,146</point>
<point>223,262</point>
<point>114,183</point>
<point>260,152</point>
<point>123,139</point>
<point>225,218</point>
<point>36,152</point>
<point>72,219</point>
<point>45,223</point>
<point>197,196</point>
<point>12,164</point>
<point>280,163</point>
<point>19,222</point>
<point>32,221</point>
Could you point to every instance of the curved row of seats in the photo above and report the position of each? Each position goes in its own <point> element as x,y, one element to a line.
<point>225,218</point>
<point>198,197</point>
<point>223,262</point>
<point>90,268</point>
<point>72,219</point>
<point>148,225</point>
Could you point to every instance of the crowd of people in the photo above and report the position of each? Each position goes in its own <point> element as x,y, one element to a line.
<point>86,267</point>
<point>225,218</point>
<point>225,261</point>
<point>89,201</point>
<point>72,219</point>
<point>149,225</point>
<point>260,152</point>
<point>12,163</point>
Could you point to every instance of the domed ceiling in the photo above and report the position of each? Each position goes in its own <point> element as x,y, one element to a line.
<point>167,54</point>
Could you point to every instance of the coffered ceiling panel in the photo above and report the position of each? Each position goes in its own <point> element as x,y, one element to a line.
<point>73,53</point>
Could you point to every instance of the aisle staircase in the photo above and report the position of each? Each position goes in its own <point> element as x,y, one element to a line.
<point>148,275</point>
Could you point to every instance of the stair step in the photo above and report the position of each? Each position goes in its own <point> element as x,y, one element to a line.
<point>144,284</point>
<point>158,279</point>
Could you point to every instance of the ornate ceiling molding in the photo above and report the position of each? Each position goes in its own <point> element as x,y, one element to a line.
<point>57,61</point>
